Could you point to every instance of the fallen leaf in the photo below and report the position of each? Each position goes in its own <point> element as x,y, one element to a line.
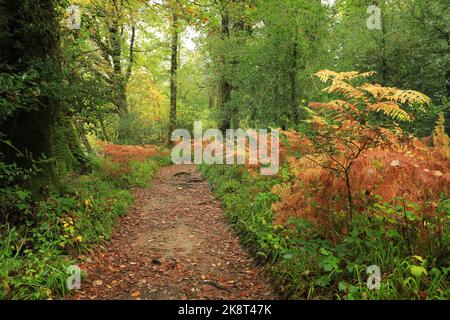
<point>136,294</point>
<point>98,282</point>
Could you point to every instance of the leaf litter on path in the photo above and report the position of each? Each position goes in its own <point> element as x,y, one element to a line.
<point>174,244</point>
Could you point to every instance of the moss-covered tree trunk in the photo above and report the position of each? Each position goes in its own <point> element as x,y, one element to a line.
<point>30,50</point>
<point>67,149</point>
<point>113,49</point>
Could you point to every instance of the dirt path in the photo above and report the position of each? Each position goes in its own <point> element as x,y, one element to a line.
<point>175,244</point>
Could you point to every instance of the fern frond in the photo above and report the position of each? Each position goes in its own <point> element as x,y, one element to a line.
<point>345,104</point>
<point>352,75</point>
<point>345,89</point>
<point>326,75</point>
<point>409,96</point>
<point>336,105</point>
<point>377,91</point>
<point>282,190</point>
<point>392,110</point>
<point>327,106</point>
<point>317,120</point>
<point>366,75</point>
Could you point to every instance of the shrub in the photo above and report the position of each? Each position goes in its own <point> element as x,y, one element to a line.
<point>345,163</point>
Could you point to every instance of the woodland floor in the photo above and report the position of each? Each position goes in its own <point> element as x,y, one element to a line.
<point>174,244</point>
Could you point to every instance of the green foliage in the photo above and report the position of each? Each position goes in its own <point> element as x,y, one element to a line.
<point>268,58</point>
<point>425,122</point>
<point>137,130</point>
<point>27,273</point>
<point>36,253</point>
<point>409,51</point>
<point>188,114</point>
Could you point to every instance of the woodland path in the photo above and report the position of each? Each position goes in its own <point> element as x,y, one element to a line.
<point>174,244</point>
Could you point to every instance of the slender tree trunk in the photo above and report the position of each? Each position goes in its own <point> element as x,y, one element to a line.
<point>225,87</point>
<point>211,99</point>
<point>173,76</point>
<point>225,97</point>
<point>118,77</point>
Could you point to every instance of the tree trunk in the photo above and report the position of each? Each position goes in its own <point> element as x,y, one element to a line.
<point>173,76</point>
<point>225,87</point>
<point>31,128</point>
<point>119,85</point>
<point>118,77</point>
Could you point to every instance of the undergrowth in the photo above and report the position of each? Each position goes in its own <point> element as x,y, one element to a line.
<point>305,264</point>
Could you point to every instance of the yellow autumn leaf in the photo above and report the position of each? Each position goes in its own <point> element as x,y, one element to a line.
<point>418,271</point>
